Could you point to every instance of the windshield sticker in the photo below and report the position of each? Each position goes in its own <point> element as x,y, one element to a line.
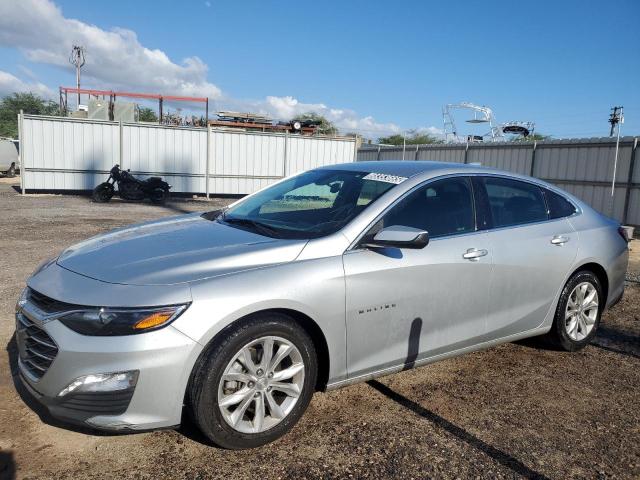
<point>381,177</point>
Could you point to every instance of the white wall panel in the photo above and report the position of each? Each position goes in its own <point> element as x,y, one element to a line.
<point>243,162</point>
<point>54,151</point>
<point>74,154</point>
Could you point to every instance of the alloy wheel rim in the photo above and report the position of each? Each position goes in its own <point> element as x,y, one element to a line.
<point>261,384</point>
<point>582,311</point>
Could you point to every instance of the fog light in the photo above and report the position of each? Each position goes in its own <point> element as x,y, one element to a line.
<point>102,382</point>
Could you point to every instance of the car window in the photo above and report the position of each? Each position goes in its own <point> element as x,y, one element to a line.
<point>443,207</point>
<point>310,205</point>
<point>513,202</point>
<point>370,191</point>
<point>558,205</point>
<point>304,198</point>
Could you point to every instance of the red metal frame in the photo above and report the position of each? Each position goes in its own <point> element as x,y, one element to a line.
<point>149,96</point>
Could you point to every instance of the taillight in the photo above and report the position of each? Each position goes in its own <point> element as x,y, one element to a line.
<point>623,233</point>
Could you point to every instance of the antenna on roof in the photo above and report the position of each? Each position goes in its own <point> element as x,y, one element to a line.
<point>77,58</point>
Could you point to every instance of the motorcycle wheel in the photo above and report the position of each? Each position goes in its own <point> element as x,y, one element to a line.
<point>102,193</point>
<point>159,196</point>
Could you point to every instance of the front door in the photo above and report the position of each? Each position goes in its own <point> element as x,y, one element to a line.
<point>403,305</point>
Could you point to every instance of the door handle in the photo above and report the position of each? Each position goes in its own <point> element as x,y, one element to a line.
<point>473,254</point>
<point>559,240</point>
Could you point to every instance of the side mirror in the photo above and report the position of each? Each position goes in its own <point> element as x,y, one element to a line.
<point>399,237</point>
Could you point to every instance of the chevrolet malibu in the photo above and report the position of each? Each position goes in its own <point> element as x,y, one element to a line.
<point>331,277</point>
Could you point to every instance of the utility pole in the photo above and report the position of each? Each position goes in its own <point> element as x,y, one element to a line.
<point>77,59</point>
<point>614,118</point>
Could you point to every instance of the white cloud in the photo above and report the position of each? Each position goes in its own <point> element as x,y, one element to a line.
<point>116,59</point>
<point>10,83</point>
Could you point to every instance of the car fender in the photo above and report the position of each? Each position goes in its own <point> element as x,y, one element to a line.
<point>314,288</point>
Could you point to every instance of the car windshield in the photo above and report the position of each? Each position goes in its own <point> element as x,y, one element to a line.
<point>310,205</point>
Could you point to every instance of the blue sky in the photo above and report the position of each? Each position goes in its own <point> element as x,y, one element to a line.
<point>372,66</point>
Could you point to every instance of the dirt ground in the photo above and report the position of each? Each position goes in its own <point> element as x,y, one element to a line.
<point>516,411</point>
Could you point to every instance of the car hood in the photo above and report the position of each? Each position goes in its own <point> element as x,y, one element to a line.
<point>177,250</point>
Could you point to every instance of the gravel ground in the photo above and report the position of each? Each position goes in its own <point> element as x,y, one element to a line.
<point>515,411</point>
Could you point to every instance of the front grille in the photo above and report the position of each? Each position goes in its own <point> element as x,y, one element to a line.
<point>48,304</point>
<point>36,348</point>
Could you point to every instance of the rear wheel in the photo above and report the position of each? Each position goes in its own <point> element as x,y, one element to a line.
<point>578,312</point>
<point>12,171</point>
<point>159,196</point>
<point>254,383</point>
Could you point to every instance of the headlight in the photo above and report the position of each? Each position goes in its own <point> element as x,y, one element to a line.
<point>22,300</point>
<point>121,321</point>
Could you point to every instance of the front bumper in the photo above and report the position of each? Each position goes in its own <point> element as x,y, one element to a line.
<point>163,359</point>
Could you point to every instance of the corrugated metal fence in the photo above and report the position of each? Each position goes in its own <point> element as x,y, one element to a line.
<point>58,153</point>
<point>582,167</point>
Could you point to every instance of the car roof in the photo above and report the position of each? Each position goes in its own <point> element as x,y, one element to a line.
<point>403,168</point>
<point>428,169</point>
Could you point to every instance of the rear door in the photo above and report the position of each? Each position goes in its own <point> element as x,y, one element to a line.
<point>532,254</point>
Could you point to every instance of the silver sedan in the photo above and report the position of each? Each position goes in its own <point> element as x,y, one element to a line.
<point>331,277</point>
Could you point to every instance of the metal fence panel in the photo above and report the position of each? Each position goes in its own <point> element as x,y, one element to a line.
<point>633,214</point>
<point>243,162</point>
<point>512,158</point>
<point>367,154</point>
<point>176,153</point>
<point>394,154</point>
<point>588,161</point>
<point>61,154</point>
<point>304,153</point>
<point>442,154</point>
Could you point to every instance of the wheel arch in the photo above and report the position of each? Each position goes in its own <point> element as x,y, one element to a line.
<point>305,322</point>
<point>600,272</point>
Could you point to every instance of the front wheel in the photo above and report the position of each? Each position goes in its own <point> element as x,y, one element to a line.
<point>102,193</point>
<point>11,173</point>
<point>254,382</point>
<point>578,312</point>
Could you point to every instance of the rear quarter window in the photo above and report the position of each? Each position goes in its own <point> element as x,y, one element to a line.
<point>559,206</point>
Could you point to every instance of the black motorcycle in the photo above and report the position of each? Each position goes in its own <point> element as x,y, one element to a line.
<point>131,188</point>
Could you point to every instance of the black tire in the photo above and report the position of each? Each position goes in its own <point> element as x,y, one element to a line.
<point>11,172</point>
<point>102,193</point>
<point>558,335</point>
<point>159,196</point>
<point>202,393</point>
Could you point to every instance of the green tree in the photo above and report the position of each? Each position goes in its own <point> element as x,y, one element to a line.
<point>537,137</point>
<point>413,137</point>
<point>147,114</point>
<point>30,103</point>
<point>325,127</point>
